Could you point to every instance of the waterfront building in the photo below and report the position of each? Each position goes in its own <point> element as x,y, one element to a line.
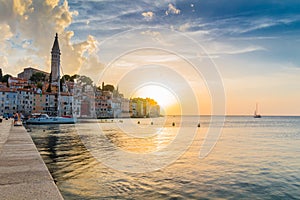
<point>116,107</point>
<point>132,108</point>
<point>8,101</point>
<point>103,104</point>
<point>125,108</point>
<point>14,82</point>
<point>66,104</point>
<point>3,85</point>
<point>51,104</point>
<point>25,100</point>
<point>76,91</point>
<point>39,103</point>
<point>154,111</point>
<point>140,108</point>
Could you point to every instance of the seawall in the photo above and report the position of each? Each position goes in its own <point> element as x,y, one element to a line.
<point>23,173</point>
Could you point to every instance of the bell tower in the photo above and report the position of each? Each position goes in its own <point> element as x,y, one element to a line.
<point>55,62</point>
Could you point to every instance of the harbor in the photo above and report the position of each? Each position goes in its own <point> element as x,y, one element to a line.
<point>23,173</point>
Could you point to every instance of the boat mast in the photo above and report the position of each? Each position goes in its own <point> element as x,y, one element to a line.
<point>58,95</point>
<point>256,109</point>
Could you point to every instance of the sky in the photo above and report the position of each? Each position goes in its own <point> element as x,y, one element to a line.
<point>205,57</point>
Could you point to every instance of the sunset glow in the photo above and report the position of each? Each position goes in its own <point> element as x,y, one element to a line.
<point>255,50</point>
<point>167,100</point>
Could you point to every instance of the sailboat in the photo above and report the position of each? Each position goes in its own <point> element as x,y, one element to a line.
<point>256,115</point>
<point>39,118</point>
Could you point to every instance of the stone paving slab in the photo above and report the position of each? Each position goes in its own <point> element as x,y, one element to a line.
<point>23,173</point>
<point>30,191</point>
<point>4,131</point>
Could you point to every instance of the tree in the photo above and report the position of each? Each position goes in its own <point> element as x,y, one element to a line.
<point>108,88</point>
<point>65,78</point>
<point>38,77</point>
<point>5,78</point>
<point>1,74</point>
<point>75,76</point>
<point>69,78</point>
<point>86,80</point>
<point>39,85</point>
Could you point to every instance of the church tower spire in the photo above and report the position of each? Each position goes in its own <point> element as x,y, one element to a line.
<point>55,61</point>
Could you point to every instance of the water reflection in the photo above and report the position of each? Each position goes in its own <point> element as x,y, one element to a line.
<point>252,160</point>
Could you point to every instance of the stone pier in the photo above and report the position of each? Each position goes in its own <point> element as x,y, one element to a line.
<point>23,173</point>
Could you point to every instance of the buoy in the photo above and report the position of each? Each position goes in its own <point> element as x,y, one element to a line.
<point>138,122</point>
<point>199,125</point>
<point>173,124</point>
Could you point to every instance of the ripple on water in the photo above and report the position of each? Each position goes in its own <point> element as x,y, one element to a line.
<point>254,159</point>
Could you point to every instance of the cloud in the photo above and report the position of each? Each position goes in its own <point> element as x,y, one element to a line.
<point>216,49</point>
<point>28,28</point>
<point>247,50</point>
<point>151,33</point>
<point>5,34</point>
<point>3,61</point>
<point>184,27</point>
<point>148,15</point>
<point>156,37</point>
<point>172,10</point>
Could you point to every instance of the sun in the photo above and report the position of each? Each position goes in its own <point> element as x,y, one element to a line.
<point>165,98</point>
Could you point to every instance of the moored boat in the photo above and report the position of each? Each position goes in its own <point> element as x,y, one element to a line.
<point>45,119</point>
<point>256,115</point>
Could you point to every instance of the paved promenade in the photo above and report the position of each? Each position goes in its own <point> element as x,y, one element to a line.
<point>23,173</point>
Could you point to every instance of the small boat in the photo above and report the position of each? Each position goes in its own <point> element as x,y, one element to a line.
<point>256,115</point>
<point>45,119</point>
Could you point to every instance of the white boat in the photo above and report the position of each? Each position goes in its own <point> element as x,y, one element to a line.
<point>45,119</point>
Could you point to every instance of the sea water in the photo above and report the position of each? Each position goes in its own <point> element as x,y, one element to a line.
<point>251,159</point>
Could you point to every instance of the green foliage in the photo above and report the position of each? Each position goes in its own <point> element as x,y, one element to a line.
<point>39,85</point>
<point>108,87</point>
<point>38,77</point>
<point>65,78</point>
<point>75,76</point>
<point>86,80</point>
<point>152,102</point>
<point>5,78</point>
<point>68,78</point>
